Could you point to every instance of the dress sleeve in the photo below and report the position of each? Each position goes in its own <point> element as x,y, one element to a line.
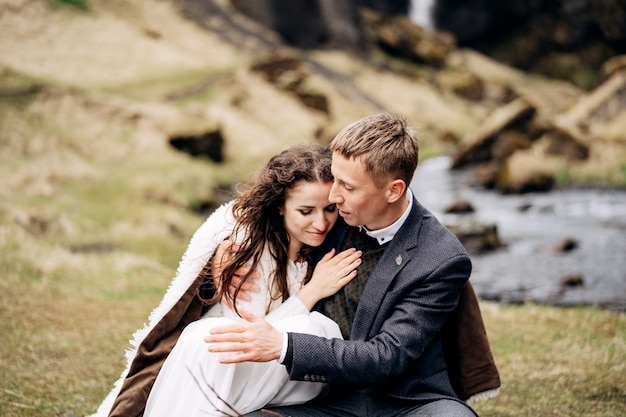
<point>260,300</point>
<point>293,306</point>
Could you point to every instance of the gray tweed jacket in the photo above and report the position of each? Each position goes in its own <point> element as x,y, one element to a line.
<point>395,345</point>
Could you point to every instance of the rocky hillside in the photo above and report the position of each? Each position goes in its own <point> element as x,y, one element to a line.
<point>106,82</point>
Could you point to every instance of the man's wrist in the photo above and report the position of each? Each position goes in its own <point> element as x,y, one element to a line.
<point>286,357</point>
<point>283,352</point>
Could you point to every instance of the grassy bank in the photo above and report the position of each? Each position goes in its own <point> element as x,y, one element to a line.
<point>557,362</point>
<point>66,318</point>
<point>87,252</point>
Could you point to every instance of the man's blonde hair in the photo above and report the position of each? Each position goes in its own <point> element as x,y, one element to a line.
<point>384,143</point>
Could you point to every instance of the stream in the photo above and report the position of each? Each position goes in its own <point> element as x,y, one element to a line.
<point>527,267</point>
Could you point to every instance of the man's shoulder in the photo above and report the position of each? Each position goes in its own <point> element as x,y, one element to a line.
<point>430,234</point>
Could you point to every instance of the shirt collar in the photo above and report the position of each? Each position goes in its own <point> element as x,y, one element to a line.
<point>385,234</point>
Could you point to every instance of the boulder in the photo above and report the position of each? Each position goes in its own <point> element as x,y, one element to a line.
<point>399,36</point>
<point>462,83</point>
<point>209,144</point>
<point>460,207</point>
<point>477,146</point>
<point>560,143</point>
<point>525,171</point>
<point>477,237</point>
<point>572,281</point>
<point>548,97</point>
<point>565,245</point>
<point>288,72</point>
<point>612,66</point>
<point>592,117</point>
<point>487,174</point>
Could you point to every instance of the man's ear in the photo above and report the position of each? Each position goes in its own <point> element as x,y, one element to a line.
<point>396,190</point>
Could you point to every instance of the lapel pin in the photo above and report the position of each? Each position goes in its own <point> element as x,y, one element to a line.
<point>398,260</point>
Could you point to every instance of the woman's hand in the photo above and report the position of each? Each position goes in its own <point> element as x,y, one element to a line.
<point>223,255</point>
<point>330,275</point>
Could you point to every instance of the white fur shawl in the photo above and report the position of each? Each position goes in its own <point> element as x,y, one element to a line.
<point>203,243</point>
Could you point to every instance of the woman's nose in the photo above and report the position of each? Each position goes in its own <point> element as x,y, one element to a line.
<point>320,222</point>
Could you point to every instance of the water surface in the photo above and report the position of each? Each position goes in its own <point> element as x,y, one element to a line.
<point>530,225</point>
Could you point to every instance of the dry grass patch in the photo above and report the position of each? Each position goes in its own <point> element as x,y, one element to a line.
<point>114,42</point>
<point>557,361</point>
<point>64,328</point>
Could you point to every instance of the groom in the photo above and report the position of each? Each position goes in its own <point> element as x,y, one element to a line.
<point>413,274</point>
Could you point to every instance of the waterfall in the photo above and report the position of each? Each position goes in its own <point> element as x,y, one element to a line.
<point>421,12</point>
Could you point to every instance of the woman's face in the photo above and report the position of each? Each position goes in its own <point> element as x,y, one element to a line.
<point>308,215</point>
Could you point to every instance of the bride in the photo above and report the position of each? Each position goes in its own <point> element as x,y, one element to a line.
<point>276,222</point>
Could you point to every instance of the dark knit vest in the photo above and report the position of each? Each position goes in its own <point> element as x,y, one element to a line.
<point>342,306</point>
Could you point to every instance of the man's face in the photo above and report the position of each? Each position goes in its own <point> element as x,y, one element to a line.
<point>359,200</point>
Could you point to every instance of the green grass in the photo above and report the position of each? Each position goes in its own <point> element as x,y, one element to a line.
<point>65,324</point>
<point>76,4</point>
<point>557,362</point>
<point>66,316</point>
<point>190,86</point>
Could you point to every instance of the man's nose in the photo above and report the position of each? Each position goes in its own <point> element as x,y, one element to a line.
<point>334,196</point>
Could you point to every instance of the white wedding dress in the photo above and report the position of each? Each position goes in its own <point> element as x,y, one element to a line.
<point>192,382</point>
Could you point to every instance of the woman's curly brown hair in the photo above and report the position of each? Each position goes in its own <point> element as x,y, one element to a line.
<point>257,212</point>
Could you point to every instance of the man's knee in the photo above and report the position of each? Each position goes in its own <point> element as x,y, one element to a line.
<point>444,407</point>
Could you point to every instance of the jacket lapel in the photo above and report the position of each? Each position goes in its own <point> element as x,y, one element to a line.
<point>395,259</point>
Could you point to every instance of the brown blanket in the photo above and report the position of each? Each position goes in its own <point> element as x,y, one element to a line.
<point>471,365</point>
